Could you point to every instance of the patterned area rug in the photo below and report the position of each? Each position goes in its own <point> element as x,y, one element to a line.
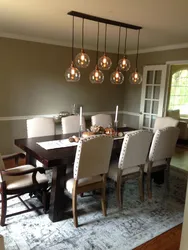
<point>135,224</point>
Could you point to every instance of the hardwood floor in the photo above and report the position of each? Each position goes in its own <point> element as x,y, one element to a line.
<point>169,240</point>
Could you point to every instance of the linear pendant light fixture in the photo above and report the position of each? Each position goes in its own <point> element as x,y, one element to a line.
<point>82,60</point>
<point>117,77</point>
<point>104,61</point>
<point>72,74</point>
<point>136,77</point>
<point>96,76</point>
<point>124,63</point>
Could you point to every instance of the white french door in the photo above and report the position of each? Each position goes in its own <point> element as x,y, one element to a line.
<point>153,95</point>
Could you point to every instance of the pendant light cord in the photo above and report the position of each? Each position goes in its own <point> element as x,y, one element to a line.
<point>83,33</point>
<point>138,43</point>
<point>125,48</point>
<point>73,39</point>
<point>119,44</point>
<point>97,45</point>
<point>105,39</point>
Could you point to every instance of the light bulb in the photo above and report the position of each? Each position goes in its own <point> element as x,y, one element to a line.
<point>72,74</point>
<point>104,62</point>
<point>124,64</point>
<point>96,76</point>
<point>117,77</point>
<point>82,60</point>
<point>135,78</point>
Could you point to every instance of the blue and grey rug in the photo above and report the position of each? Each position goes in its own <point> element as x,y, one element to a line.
<point>137,223</point>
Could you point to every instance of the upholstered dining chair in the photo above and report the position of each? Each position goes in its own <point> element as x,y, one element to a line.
<point>131,162</point>
<point>71,124</point>
<point>2,245</point>
<point>160,154</point>
<point>40,126</point>
<point>90,169</point>
<point>20,180</point>
<point>103,120</point>
<point>164,122</point>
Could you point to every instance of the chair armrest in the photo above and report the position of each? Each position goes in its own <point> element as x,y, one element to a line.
<point>30,171</point>
<point>183,126</point>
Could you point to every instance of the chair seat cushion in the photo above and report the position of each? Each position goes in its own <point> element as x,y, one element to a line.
<point>155,164</point>
<point>82,182</point>
<point>113,171</point>
<point>23,181</point>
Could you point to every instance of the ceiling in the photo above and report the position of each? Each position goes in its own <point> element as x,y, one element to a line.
<point>164,21</point>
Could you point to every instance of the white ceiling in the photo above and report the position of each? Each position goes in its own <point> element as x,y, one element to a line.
<point>164,21</point>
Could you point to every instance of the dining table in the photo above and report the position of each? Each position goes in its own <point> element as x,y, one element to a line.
<point>57,159</point>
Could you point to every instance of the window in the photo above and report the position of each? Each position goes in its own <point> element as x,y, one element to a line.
<point>179,92</point>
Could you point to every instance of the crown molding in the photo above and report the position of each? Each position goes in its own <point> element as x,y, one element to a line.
<point>58,43</point>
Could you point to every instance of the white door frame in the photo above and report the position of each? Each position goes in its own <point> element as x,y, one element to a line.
<point>167,91</point>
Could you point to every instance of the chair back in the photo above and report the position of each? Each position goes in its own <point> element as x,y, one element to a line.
<point>2,165</point>
<point>71,124</point>
<point>135,148</point>
<point>103,120</point>
<point>164,122</point>
<point>93,156</point>
<point>41,126</point>
<point>163,144</point>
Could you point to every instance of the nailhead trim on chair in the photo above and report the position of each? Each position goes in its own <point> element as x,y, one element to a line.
<point>79,149</point>
<point>125,143</point>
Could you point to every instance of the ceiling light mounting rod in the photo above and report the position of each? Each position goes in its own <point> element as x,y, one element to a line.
<point>103,20</point>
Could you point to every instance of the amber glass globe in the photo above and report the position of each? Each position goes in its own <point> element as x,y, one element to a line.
<point>104,62</point>
<point>117,77</point>
<point>72,74</point>
<point>124,64</point>
<point>96,76</point>
<point>82,60</point>
<point>135,78</point>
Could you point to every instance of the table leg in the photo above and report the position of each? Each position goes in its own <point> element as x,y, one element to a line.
<point>58,201</point>
<point>30,159</point>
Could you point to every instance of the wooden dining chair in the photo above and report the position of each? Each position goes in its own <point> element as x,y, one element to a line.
<point>18,181</point>
<point>160,154</point>
<point>131,162</point>
<point>71,124</point>
<point>90,169</point>
<point>103,120</point>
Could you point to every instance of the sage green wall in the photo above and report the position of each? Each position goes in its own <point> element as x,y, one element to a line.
<point>132,97</point>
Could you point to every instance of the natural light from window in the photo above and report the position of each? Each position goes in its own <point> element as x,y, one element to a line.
<point>179,92</point>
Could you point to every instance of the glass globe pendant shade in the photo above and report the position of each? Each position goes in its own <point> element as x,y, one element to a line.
<point>82,60</point>
<point>72,74</point>
<point>135,78</point>
<point>117,77</point>
<point>104,62</point>
<point>96,76</point>
<point>124,64</point>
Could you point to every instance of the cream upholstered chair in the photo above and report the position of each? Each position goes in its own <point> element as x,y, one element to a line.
<point>20,180</point>
<point>160,154</point>
<point>40,126</point>
<point>90,168</point>
<point>164,122</point>
<point>131,162</point>
<point>2,246</point>
<point>103,120</point>
<point>71,124</point>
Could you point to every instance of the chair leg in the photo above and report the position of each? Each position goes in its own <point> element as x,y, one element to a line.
<point>74,206</point>
<point>149,185</point>
<point>45,201</point>
<point>166,177</point>
<point>141,185</point>
<point>103,197</point>
<point>119,195</point>
<point>4,206</point>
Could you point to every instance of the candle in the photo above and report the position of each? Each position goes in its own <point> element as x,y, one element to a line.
<point>81,116</point>
<point>116,115</point>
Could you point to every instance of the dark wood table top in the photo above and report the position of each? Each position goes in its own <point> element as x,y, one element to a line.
<point>54,157</point>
